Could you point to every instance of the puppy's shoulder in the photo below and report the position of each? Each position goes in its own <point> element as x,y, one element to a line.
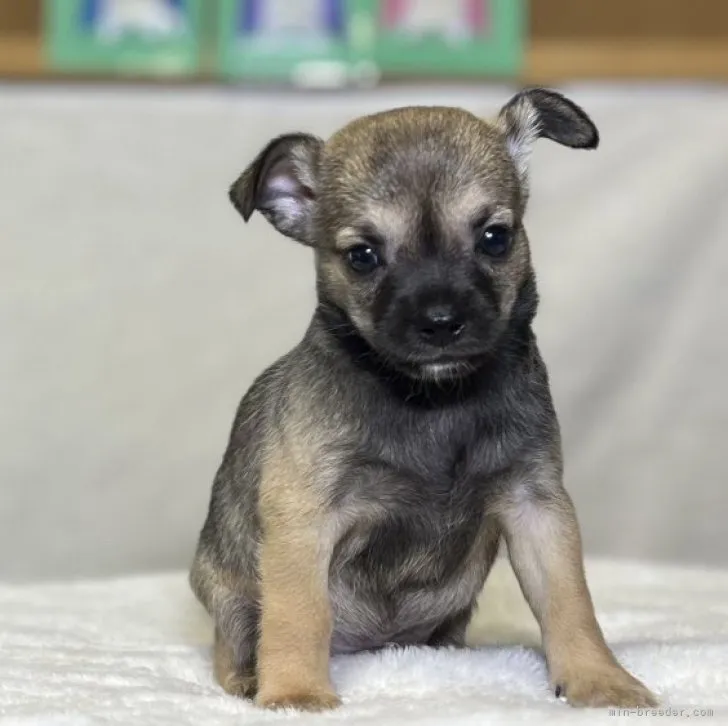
<point>262,399</point>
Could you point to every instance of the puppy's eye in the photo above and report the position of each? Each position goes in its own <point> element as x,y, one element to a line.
<point>494,241</point>
<point>363,258</point>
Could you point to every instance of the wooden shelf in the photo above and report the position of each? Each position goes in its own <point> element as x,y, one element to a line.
<point>21,56</point>
<point>558,60</point>
<point>570,40</point>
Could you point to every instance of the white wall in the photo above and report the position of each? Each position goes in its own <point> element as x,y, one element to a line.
<point>135,308</point>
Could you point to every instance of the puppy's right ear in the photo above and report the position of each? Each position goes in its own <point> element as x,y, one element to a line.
<point>281,184</point>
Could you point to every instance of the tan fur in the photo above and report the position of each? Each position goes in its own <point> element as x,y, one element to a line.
<point>365,196</point>
<point>227,674</point>
<point>391,221</point>
<point>221,591</point>
<point>544,546</point>
<point>355,187</point>
<point>509,277</point>
<point>290,513</point>
<point>293,651</point>
<point>520,123</point>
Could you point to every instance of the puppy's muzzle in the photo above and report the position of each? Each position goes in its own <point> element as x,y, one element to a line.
<point>440,325</point>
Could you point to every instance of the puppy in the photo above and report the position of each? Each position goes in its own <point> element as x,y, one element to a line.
<point>372,472</point>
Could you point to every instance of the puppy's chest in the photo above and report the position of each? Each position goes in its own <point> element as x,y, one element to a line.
<point>423,492</point>
<point>416,553</point>
<point>438,456</point>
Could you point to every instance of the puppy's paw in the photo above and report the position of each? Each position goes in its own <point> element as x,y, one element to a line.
<point>601,687</point>
<point>242,686</point>
<point>302,700</point>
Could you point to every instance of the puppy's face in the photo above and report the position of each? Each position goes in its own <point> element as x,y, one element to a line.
<point>422,246</point>
<point>416,218</point>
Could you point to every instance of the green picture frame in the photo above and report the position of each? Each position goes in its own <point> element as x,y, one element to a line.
<point>97,36</point>
<point>493,46</point>
<point>334,51</point>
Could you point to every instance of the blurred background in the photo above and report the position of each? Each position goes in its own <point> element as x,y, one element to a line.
<point>135,307</point>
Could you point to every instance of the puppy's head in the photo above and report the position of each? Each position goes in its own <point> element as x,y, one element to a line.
<point>416,217</point>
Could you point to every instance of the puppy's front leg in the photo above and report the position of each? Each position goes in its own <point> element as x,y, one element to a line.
<point>295,636</point>
<point>544,546</point>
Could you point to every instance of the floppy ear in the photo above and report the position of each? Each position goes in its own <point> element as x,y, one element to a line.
<point>537,113</point>
<point>281,184</point>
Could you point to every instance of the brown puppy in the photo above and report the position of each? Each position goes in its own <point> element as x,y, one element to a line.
<point>372,471</point>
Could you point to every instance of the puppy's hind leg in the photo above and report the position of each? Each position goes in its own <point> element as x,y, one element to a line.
<point>236,615</point>
<point>451,633</point>
<point>234,667</point>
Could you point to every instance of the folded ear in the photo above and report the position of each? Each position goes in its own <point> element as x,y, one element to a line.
<point>537,113</point>
<point>281,184</point>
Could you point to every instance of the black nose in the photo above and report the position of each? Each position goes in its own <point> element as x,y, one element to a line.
<point>440,325</point>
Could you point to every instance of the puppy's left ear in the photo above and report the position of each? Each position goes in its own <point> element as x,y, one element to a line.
<point>281,184</point>
<point>538,113</point>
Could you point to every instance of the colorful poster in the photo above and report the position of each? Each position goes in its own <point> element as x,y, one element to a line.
<point>456,21</point>
<point>138,37</point>
<point>308,42</point>
<point>450,37</point>
<point>294,21</point>
<point>150,19</point>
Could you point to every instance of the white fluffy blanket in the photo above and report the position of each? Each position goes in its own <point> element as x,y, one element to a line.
<point>135,651</point>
